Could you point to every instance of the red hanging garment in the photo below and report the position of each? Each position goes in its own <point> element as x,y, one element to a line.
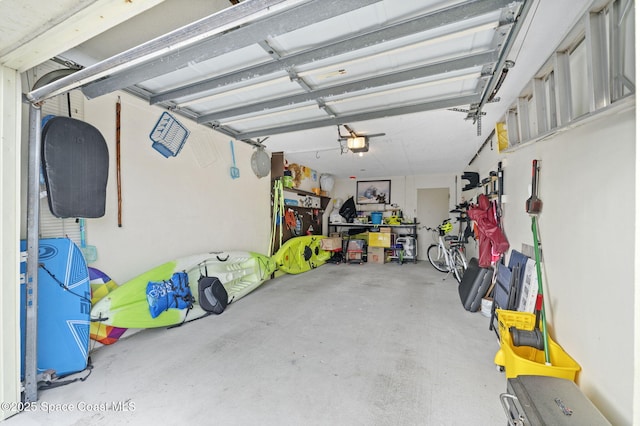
<point>492,242</point>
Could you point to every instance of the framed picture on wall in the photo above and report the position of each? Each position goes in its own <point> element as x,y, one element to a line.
<point>373,192</point>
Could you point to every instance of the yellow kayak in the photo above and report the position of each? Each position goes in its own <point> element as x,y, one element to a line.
<point>301,254</point>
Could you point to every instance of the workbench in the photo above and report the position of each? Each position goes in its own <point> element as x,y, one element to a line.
<point>404,230</point>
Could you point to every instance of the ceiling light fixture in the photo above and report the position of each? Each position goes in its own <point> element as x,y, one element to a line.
<point>358,144</point>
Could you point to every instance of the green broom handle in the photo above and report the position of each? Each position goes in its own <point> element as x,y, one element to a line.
<point>278,211</point>
<point>536,247</point>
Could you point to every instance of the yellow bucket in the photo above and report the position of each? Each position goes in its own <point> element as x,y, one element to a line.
<point>525,360</point>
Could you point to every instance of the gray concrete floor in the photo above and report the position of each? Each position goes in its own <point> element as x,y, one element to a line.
<point>340,345</point>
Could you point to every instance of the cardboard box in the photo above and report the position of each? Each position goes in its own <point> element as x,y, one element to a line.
<point>375,255</point>
<point>385,229</point>
<point>354,255</point>
<point>333,243</point>
<point>379,239</point>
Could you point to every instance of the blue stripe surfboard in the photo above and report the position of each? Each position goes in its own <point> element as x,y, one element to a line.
<point>63,314</point>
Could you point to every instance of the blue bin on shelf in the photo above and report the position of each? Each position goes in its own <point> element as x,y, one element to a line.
<point>376,218</point>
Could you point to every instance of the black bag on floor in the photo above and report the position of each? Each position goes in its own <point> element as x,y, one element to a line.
<point>212,296</point>
<point>474,285</point>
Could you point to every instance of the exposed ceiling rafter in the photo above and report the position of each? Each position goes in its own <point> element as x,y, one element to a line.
<point>408,27</point>
<point>369,115</point>
<point>287,20</point>
<point>430,70</point>
<point>387,63</point>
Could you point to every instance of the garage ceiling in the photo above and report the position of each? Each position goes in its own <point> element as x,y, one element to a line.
<point>296,75</point>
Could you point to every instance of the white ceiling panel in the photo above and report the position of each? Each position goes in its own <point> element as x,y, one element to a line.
<point>300,114</point>
<point>239,96</point>
<point>296,71</point>
<point>402,96</point>
<point>196,71</point>
<point>457,79</point>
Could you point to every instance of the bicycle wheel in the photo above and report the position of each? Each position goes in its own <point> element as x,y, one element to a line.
<point>460,265</point>
<point>463,258</point>
<point>437,258</point>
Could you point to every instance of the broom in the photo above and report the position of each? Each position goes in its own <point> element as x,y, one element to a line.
<point>535,338</point>
<point>534,207</point>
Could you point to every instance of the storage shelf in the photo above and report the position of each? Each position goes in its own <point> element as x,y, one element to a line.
<point>303,207</point>
<point>305,214</point>
<point>303,192</point>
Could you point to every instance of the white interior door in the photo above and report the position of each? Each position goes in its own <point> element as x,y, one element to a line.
<point>433,208</point>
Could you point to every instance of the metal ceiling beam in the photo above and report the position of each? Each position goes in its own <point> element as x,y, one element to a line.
<point>361,116</point>
<point>437,19</point>
<point>505,24</point>
<point>466,62</point>
<point>287,20</point>
<point>165,45</point>
<point>518,19</point>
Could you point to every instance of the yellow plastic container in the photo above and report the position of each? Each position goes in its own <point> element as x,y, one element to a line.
<point>521,320</point>
<point>525,360</point>
<point>392,220</point>
<point>379,239</point>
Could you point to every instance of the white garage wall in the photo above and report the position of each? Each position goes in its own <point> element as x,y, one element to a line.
<point>587,185</point>
<point>175,206</point>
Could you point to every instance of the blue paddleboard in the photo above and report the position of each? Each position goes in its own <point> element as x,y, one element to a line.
<point>63,313</point>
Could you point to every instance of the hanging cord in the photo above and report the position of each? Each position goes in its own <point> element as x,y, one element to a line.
<point>63,285</point>
<point>57,382</point>
<point>263,263</point>
<point>66,288</point>
<point>100,328</point>
<point>89,368</point>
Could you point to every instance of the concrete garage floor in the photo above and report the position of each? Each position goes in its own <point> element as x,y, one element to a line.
<point>340,345</point>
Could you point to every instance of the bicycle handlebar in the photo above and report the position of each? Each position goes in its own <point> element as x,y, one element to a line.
<point>459,219</point>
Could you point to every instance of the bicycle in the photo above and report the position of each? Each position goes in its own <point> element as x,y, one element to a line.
<point>450,260</point>
<point>465,231</point>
